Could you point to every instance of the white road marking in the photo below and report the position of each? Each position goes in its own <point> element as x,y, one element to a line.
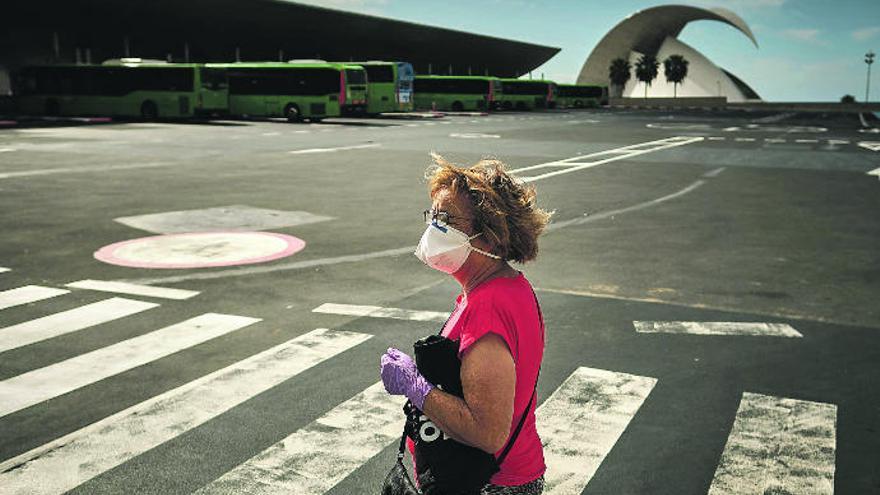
<point>745,140</point>
<point>302,131</point>
<point>838,141</point>
<point>6,150</point>
<point>870,145</point>
<point>680,127</point>
<point>42,384</point>
<point>62,464</point>
<point>778,445</point>
<point>4,269</point>
<point>271,133</point>
<point>774,140</point>
<point>582,420</point>
<point>718,328</point>
<point>80,170</point>
<point>133,289</point>
<point>714,173</point>
<point>716,138</point>
<point>474,135</point>
<point>310,461</point>
<point>582,162</point>
<point>27,294</point>
<point>876,172</point>
<point>380,312</point>
<point>873,130</point>
<point>332,150</point>
<point>731,129</point>
<point>220,218</point>
<point>68,321</point>
<point>806,140</point>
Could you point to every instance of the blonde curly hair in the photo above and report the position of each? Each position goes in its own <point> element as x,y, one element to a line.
<point>505,209</point>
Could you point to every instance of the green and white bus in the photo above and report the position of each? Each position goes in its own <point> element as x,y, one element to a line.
<point>580,96</point>
<point>148,89</point>
<point>389,86</point>
<point>455,93</point>
<point>295,90</point>
<point>527,94</point>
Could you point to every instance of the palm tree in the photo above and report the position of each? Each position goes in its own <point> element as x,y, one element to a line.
<point>646,70</point>
<point>676,68</point>
<point>619,73</point>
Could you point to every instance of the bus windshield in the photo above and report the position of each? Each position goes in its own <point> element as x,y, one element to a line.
<point>356,76</point>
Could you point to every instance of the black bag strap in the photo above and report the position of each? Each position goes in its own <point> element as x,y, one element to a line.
<point>522,421</point>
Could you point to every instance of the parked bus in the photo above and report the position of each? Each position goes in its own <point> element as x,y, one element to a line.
<point>148,89</point>
<point>389,86</point>
<point>455,93</point>
<point>527,94</point>
<point>356,89</point>
<point>296,90</point>
<point>580,96</point>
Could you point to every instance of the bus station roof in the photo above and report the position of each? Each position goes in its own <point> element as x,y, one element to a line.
<point>212,30</point>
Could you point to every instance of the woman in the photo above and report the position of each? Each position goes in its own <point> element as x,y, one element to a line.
<point>479,220</point>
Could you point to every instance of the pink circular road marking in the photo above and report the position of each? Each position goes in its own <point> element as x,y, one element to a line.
<point>114,255</point>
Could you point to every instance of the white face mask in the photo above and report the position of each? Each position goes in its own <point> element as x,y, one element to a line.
<point>445,248</point>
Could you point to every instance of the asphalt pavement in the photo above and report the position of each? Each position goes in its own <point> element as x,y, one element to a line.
<point>709,283</point>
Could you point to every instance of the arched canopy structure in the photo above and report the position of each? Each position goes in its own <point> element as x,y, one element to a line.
<point>646,31</point>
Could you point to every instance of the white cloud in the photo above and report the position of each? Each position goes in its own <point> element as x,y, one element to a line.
<point>803,35</point>
<point>865,34</point>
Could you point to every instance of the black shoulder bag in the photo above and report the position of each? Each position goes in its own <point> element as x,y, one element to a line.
<point>445,466</point>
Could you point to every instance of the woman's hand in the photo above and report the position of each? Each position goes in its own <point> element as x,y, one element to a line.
<point>401,377</point>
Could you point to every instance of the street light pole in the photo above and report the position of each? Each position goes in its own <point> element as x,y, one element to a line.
<point>869,59</point>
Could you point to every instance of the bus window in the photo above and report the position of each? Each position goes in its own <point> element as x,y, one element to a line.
<point>378,73</point>
<point>214,79</point>
<point>356,77</point>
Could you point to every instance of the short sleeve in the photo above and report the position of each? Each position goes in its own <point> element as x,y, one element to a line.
<point>483,318</point>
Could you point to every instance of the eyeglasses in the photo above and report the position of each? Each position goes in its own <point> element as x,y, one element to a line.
<point>440,217</point>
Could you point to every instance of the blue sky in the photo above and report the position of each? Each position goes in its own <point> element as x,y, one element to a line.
<point>809,50</point>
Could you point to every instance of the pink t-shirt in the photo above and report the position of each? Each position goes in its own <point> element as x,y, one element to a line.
<point>506,307</point>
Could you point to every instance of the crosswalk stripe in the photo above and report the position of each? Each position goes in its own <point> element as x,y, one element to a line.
<point>69,321</point>
<point>42,384</point>
<point>27,294</point>
<point>133,289</point>
<point>718,328</point>
<point>778,445</point>
<point>582,420</point>
<point>67,462</point>
<point>315,458</point>
<point>380,312</point>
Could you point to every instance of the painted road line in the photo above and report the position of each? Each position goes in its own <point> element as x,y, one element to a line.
<point>875,172</point>
<point>310,461</point>
<point>718,328</point>
<point>133,289</point>
<point>716,138</point>
<point>6,150</point>
<point>838,141</point>
<point>62,464</point>
<point>4,269</point>
<point>806,140</point>
<point>582,420</point>
<point>473,135</point>
<point>733,129</point>
<point>578,162</point>
<point>774,140</point>
<point>42,384</point>
<point>27,294</point>
<point>333,150</point>
<point>745,140</point>
<point>778,445</point>
<point>380,312</point>
<point>69,321</point>
<point>80,170</point>
<point>714,173</point>
<point>870,145</point>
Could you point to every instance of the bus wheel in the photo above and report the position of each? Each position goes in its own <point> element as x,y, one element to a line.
<point>457,106</point>
<point>291,111</point>
<point>149,110</point>
<point>52,107</point>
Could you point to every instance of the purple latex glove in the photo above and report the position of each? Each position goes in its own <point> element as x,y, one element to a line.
<point>401,377</point>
